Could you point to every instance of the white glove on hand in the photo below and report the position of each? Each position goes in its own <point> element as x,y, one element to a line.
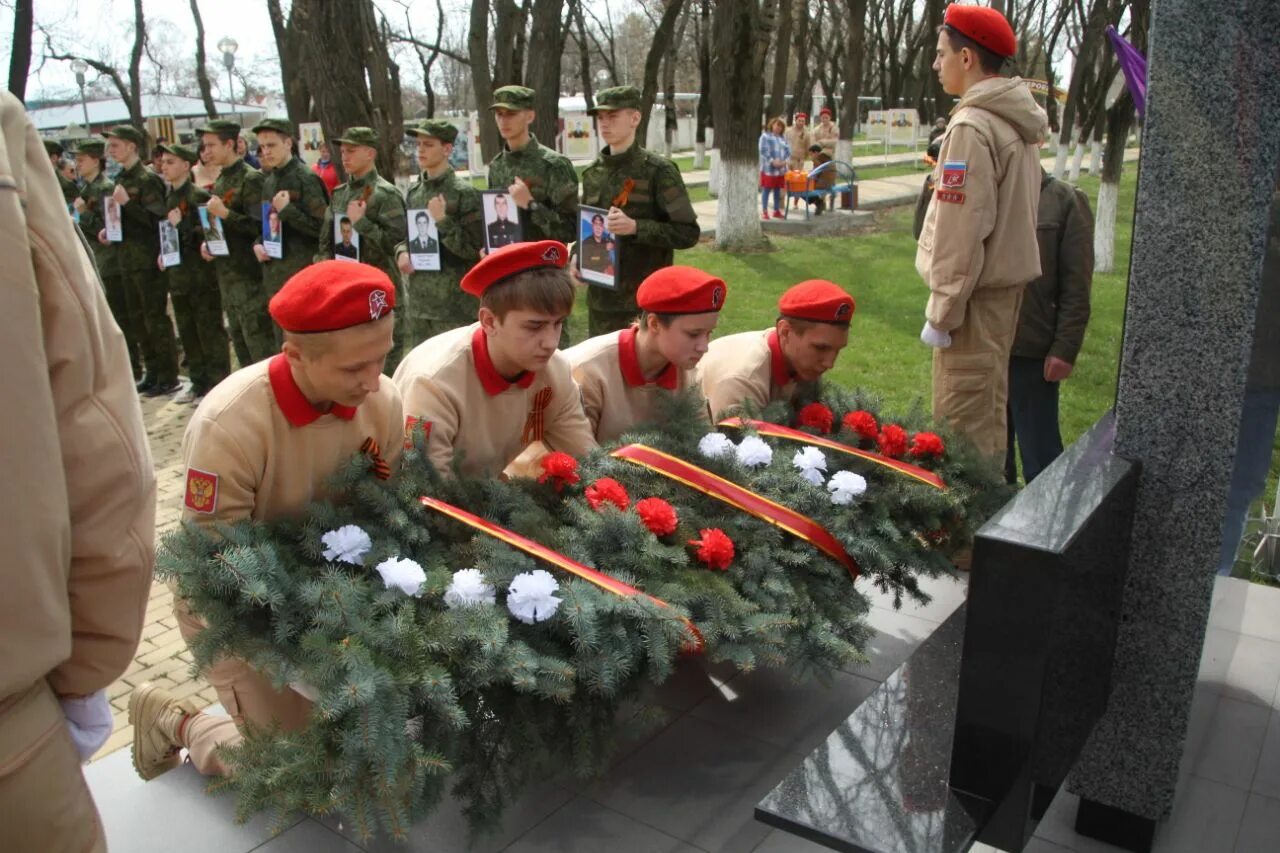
<point>935,337</point>
<point>88,721</point>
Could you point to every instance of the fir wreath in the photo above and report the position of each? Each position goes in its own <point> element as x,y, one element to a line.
<point>444,690</point>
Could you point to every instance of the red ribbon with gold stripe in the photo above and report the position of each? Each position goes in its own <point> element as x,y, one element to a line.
<point>558,560</point>
<point>744,499</point>
<point>779,431</point>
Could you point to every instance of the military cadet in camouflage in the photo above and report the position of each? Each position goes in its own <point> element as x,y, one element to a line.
<point>299,198</point>
<point>542,183</point>
<point>55,150</point>
<point>437,303</point>
<point>649,210</point>
<point>193,284</point>
<point>95,184</point>
<point>140,195</point>
<point>376,211</point>
<point>237,194</point>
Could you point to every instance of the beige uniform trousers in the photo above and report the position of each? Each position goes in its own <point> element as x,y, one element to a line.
<point>971,377</point>
<point>45,804</point>
<point>245,693</point>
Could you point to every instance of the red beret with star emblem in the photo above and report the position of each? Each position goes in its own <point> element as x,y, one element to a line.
<point>984,25</point>
<point>817,300</point>
<point>500,264</point>
<point>681,290</point>
<point>332,295</point>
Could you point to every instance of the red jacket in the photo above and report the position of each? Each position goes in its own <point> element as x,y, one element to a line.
<point>327,173</point>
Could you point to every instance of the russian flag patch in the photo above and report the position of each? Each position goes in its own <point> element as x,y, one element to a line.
<point>953,173</point>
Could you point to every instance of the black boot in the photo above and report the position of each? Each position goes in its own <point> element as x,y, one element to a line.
<point>145,384</point>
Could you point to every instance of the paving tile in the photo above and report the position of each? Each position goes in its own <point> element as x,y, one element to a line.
<point>585,826</point>
<point>308,836</point>
<point>1260,828</point>
<point>1267,780</point>
<point>1261,616</point>
<point>698,782</point>
<point>778,841</point>
<point>1233,741</point>
<point>1206,817</point>
<point>897,634</point>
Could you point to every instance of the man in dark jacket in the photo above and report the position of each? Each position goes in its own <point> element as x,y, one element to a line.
<point>1051,324</point>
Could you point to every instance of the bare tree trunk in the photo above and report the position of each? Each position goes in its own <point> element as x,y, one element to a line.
<point>584,54</point>
<point>741,31</point>
<point>781,60</point>
<point>507,23</point>
<point>478,50</point>
<point>135,68</point>
<point>662,37</point>
<point>202,72</point>
<point>1090,41</point>
<point>297,91</point>
<point>855,49</point>
<point>543,71</point>
<point>704,85</point>
<point>804,75</point>
<point>1119,120</point>
<point>20,57</point>
<point>670,124</point>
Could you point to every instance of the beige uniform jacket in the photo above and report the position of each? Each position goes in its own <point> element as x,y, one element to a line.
<point>798,138</point>
<point>980,228</point>
<point>748,366</point>
<point>256,448</point>
<point>615,395</point>
<point>77,501</point>
<point>450,386</point>
<point>826,137</point>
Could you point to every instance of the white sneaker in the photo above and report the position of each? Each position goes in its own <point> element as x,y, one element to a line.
<point>186,395</point>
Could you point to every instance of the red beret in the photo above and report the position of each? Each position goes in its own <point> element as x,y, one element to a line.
<point>802,115</point>
<point>984,25</point>
<point>332,295</point>
<point>502,263</point>
<point>817,300</point>
<point>681,290</point>
<point>825,111</point>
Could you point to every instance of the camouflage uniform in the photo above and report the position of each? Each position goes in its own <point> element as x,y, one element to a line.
<point>382,226</point>
<point>436,301</point>
<point>193,287</point>
<point>239,278</point>
<point>91,222</point>
<point>146,291</point>
<point>659,203</point>
<point>551,178</point>
<point>301,220</point>
<point>69,189</point>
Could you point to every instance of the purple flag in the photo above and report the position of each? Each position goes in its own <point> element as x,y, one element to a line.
<point>1134,66</point>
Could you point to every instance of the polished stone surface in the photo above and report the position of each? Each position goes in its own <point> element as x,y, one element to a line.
<point>879,781</point>
<point>1211,145</point>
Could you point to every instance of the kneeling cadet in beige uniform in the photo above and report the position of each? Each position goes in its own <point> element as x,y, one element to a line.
<point>978,246</point>
<point>485,392</point>
<point>772,364</point>
<point>624,374</point>
<point>262,446</point>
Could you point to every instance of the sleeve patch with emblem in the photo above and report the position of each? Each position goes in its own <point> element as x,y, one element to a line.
<point>202,491</point>
<point>411,421</point>
<point>951,196</point>
<point>953,173</point>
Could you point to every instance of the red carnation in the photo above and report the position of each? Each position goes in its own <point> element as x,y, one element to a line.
<point>658,515</point>
<point>863,423</point>
<point>892,441</point>
<point>926,444</point>
<point>560,467</point>
<point>607,490</point>
<point>714,548</point>
<point>818,416</point>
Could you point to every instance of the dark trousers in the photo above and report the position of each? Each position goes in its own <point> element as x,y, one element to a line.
<point>1032,418</point>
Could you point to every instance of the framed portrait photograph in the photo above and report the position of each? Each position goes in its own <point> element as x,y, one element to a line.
<point>272,232</point>
<point>501,220</point>
<point>310,138</point>
<point>170,253</point>
<point>111,216</point>
<point>597,248</point>
<point>424,241</point>
<point>215,239</point>
<point>346,240</point>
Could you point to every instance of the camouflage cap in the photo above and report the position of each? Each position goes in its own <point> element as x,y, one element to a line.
<point>92,147</point>
<point>128,133</point>
<point>278,125</point>
<point>182,152</point>
<point>512,98</point>
<point>220,126</point>
<point>359,136</point>
<point>437,128</point>
<point>52,146</point>
<point>617,98</point>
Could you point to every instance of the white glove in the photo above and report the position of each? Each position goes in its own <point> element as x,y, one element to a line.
<point>935,337</point>
<point>88,721</point>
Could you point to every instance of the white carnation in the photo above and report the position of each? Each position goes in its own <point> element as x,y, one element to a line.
<point>754,452</point>
<point>347,544</point>
<point>530,597</point>
<point>714,445</point>
<point>845,486</point>
<point>811,463</point>
<point>467,589</point>
<point>402,574</point>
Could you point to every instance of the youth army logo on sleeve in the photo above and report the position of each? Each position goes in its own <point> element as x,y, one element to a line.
<point>202,491</point>
<point>411,421</point>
